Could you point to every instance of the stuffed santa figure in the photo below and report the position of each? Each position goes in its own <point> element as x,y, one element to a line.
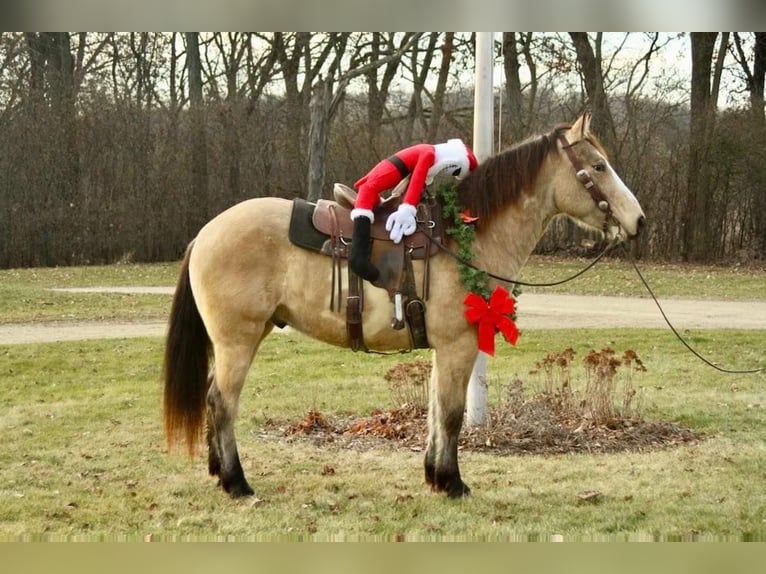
<point>422,162</point>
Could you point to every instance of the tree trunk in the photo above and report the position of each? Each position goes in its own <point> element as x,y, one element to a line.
<point>695,242</point>
<point>37,51</point>
<point>437,109</point>
<point>199,200</point>
<point>378,93</point>
<point>511,65</point>
<point>759,127</point>
<point>294,167</point>
<point>321,99</point>
<point>53,98</point>
<point>420,72</point>
<point>232,145</point>
<point>593,78</point>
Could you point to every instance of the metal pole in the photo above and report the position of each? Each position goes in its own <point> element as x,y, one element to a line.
<point>483,115</point>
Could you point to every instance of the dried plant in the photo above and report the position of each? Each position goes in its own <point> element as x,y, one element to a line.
<point>609,394</point>
<point>408,383</point>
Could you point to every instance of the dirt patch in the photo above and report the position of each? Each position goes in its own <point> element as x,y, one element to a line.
<point>536,311</point>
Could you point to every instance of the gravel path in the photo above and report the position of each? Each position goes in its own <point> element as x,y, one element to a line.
<point>535,311</point>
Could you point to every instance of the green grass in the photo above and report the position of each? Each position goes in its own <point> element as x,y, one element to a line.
<point>617,277</point>
<point>84,455</point>
<point>25,294</point>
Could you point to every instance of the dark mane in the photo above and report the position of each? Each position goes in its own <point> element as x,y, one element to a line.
<point>502,179</point>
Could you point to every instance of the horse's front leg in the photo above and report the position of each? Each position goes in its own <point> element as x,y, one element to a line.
<point>449,380</point>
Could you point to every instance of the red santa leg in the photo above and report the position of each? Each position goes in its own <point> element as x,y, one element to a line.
<point>382,177</point>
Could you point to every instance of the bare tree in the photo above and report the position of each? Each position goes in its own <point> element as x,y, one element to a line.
<point>420,66</point>
<point>199,133</point>
<point>293,53</point>
<point>754,82</point>
<point>590,62</point>
<point>52,99</point>
<point>11,81</point>
<point>378,87</point>
<point>325,102</point>
<point>437,110</point>
<point>232,49</point>
<point>696,241</point>
<point>511,66</point>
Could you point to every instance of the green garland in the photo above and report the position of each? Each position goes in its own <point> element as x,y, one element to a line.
<point>474,280</point>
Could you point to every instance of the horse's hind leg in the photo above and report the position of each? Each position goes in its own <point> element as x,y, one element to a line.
<point>213,452</point>
<point>231,365</point>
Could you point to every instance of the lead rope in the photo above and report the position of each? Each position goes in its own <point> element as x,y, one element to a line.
<point>457,258</point>
<point>678,335</point>
<point>606,250</point>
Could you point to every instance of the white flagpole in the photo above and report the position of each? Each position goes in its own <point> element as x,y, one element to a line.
<point>483,115</point>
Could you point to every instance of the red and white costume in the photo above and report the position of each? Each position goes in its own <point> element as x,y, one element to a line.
<point>422,162</point>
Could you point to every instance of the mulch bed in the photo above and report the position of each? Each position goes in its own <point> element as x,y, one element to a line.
<point>533,429</point>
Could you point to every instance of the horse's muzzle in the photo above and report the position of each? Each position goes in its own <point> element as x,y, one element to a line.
<point>639,226</point>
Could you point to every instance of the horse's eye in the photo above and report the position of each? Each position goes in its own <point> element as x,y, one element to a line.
<point>599,166</point>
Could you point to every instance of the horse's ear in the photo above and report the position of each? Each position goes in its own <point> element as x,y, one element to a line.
<point>582,126</point>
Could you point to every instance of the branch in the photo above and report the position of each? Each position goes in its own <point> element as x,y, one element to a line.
<point>351,74</point>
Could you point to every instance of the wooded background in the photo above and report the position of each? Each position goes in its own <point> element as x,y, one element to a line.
<point>120,146</point>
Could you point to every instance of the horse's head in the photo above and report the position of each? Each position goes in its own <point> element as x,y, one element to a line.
<point>589,190</point>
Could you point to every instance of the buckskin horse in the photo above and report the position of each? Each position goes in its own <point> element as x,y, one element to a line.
<point>241,276</point>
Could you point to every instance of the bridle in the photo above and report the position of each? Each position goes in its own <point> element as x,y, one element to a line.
<point>583,177</point>
<point>598,198</point>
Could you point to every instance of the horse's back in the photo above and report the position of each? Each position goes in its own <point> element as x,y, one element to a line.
<point>247,221</point>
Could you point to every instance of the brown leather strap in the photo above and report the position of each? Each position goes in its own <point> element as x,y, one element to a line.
<point>335,259</point>
<point>426,289</point>
<point>414,308</point>
<point>338,248</point>
<point>354,313</point>
<point>582,175</point>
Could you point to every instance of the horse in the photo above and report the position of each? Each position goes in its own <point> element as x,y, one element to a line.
<point>241,276</point>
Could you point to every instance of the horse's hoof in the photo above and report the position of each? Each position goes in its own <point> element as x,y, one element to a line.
<point>459,491</point>
<point>240,490</point>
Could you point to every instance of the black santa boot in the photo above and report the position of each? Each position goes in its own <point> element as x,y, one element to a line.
<point>359,258</point>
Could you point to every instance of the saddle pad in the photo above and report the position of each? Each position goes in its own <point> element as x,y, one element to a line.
<point>302,231</point>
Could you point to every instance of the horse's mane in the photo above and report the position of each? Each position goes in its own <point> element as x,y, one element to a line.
<point>502,179</point>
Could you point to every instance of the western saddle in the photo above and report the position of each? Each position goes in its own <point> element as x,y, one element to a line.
<point>327,227</point>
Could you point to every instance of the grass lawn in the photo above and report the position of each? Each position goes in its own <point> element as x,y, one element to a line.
<point>84,456</point>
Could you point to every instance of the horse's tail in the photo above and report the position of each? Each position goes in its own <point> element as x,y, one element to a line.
<point>185,369</point>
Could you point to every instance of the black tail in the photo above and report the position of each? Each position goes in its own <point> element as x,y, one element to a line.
<point>185,369</point>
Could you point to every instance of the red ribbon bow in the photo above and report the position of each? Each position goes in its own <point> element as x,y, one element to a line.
<point>492,316</point>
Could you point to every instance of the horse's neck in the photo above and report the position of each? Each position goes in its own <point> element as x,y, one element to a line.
<point>504,247</point>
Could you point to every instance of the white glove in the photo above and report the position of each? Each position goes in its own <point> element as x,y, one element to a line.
<point>402,222</point>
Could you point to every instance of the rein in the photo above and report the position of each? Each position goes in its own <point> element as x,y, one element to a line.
<point>457,258</point>
<point>600,200</point>
<point>606,250</point>
<point>678,335</point>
